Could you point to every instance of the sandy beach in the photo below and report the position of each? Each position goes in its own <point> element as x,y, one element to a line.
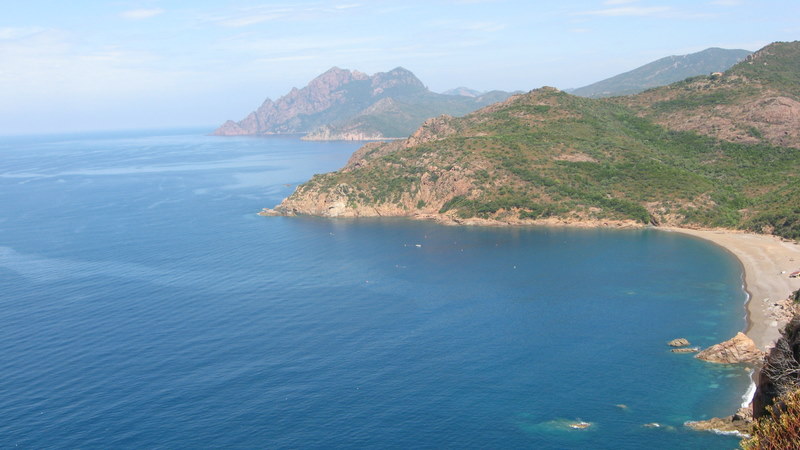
<point>767,262</point>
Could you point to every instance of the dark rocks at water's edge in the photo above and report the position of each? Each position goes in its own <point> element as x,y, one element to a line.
<point>781,371</point>
<point>739,424</point>
<point>686,350</point>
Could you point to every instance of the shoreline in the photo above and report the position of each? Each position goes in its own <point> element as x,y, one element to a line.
<point>766,261</point>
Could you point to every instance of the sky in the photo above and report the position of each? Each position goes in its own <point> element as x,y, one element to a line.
<point>86,65</point>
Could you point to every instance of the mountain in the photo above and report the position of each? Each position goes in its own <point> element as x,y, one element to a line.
<point>344,104</point>
<point>463,91</point>
<point>550,157</point>
<point>663,71</point>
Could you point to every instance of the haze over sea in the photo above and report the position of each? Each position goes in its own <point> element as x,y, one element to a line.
<point>145,304</point>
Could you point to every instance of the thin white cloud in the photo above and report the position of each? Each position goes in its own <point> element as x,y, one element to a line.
<point>139,14</point>
<point>628,11</point>
<point>280,47</point>
<point>246,21</point>
<point>580,30</point>
<point>486,27</point>
<point>7,33</point>
<point>726,2</point>
<point>245,17</point>
<point>286,59</point>
<point>619,2</point>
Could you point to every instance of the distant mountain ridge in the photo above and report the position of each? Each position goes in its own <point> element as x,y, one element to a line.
<point>663,72</point>
<point>351,105</point>
<point>464,91</point>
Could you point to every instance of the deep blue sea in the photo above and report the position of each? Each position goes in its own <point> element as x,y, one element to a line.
<point>144,304</point>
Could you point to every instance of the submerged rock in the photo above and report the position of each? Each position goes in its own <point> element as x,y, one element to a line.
<point>739,349</point>
<point>685,350</point>
<point>580,425</point>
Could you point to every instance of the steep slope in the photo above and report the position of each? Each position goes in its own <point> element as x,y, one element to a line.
<point>341,104</point>
<point>664,71</point>
<point>755,101</point>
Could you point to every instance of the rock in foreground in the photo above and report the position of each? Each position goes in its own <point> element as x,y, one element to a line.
<point>739,424</point>
<point>739,349</point>
<point>680,342</point>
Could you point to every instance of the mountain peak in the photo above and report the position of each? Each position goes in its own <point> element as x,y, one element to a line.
<point>396,79</point>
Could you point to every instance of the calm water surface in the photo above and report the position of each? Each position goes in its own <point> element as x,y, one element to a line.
<point>144,304</point>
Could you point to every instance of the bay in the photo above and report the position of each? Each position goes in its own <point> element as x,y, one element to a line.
<point>145,304</point>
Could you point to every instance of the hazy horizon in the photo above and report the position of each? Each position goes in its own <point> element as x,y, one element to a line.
<point>161,64</point>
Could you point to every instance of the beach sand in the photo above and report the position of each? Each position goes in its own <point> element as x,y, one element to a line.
<point>767,262</point>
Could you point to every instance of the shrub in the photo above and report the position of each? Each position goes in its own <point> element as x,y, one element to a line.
<point>779,430</point>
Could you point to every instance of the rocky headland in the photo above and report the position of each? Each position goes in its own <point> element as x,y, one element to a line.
<point>342,104</point>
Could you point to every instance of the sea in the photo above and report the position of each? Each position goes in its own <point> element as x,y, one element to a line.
<point>145,304</point>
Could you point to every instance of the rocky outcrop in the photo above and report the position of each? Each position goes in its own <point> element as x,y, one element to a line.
<point>679,342</point>
<point>739,349</point>
<point>346,200</point>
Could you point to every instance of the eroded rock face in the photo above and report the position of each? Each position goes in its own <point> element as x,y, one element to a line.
<point>775,118</point>
<point>739,349</point>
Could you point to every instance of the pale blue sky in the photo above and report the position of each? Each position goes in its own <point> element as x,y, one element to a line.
<point>86,65</point>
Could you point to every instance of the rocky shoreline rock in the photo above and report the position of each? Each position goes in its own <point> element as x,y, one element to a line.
<point>680,342</point>
<point>686,350</point>
<point>739,349</point>
<point>739,424</point>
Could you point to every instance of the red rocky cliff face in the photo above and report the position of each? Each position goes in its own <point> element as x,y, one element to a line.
<point>292,113</point>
